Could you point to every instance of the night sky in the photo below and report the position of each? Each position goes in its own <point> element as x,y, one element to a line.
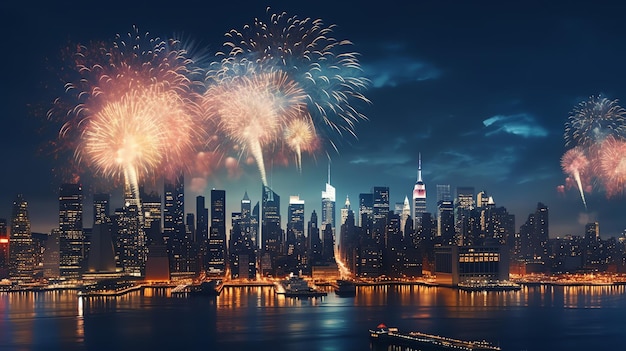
<point>481,89</point>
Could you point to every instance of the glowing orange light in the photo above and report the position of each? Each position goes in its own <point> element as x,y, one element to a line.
<point>4,241</point>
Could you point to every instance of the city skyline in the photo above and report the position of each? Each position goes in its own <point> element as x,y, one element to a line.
<point>481,91</point>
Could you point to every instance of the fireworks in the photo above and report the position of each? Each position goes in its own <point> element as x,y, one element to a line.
<point>304,51</point>
<point>574,162</point>
<point>252,110</point>
<point>612,165</point>
<point>596,129</point>
<point>593,120</point>
<point>129,110</point>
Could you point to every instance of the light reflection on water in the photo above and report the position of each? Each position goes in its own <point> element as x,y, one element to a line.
<point>533,318</point>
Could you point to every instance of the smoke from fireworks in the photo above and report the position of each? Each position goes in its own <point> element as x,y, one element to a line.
<point>574,162</point>
<point>323,67</point>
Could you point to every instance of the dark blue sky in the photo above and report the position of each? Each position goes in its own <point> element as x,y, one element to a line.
<point>481,89</point>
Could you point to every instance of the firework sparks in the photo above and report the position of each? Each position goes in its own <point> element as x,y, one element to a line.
<point>128,111</point>
<point>325,68</point>
<point>574,163</point>
<point>300,137</point>
<point>593,120</point>
<point>612,165</point>
<point>253,110</point>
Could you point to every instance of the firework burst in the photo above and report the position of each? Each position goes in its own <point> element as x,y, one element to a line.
<point>129,109</point>
<point>612,165</point>
<point>574,163</point>
<point>252,110</point>
<point>593,120</point>
<point>304,49</point>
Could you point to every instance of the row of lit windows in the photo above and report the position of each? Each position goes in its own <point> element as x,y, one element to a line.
<point>481,257</point>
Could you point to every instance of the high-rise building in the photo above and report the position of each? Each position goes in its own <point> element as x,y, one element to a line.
<point>179,244</point>
<point>173,210</point>
<point>314,240</point>
<point>21,255</point>
<point>328,204</point>
<point>344,210</point>
<point>216,251</point>
<point>271,232</point>
<point>102,252</point>
<point>295,224</point>
<point>443,192</point>
<point>101,208</point>
<point>419,196</point>
<point>405,214</point>
<point>51,256</point>
<point>152,216</point>
<point>71,239</point>
<point>4,249</point>
<point>366,209</point>
<point>380,212</point>
<point>202,230</point>
<point>464,203</point>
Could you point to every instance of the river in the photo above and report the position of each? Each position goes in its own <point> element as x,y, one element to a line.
<point>575,318</point>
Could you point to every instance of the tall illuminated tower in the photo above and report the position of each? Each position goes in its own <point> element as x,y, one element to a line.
<point>328,204</point>
<point>419,196</point>
<point>71,230</point>
<point>21,255</point>
<point>217,233</point>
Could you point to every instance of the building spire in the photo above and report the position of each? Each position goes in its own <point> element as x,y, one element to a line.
<point>328,172</point>
<point>419,167</point>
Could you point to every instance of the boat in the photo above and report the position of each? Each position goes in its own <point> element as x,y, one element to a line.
<point>296,286</point>
<point>345,288</point>
<point>384,338</point>
<point>206,288</point>
<point>490,285</point>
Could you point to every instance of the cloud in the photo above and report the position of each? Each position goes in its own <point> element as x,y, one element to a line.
<point>521,124</point>
<point>395,71</point>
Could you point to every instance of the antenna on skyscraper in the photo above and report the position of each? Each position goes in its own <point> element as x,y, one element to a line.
<point>328,171</point>
<point>419,167</point>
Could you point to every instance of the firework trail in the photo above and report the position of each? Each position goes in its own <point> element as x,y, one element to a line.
<point>129,109</point>
<point>304,49</point>
<point>574,162</point>
<point>593,120</point>
<point>612,165</point>
<point>253,110</point>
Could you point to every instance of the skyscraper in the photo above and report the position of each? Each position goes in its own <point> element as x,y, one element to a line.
<point>328,204</point>
<point>295,218</point>
<point>202,230</point>
<point>344,210</point>
<point>152,216</point>
<point>271,232</point>
<point>405,214</point>
<point>296,243</point>
<point>380,212</point>
<point>71,239</point>
<point>102,252</point>
<point>21,255</point>
<point>174,234</point>
<point>216,251</point>
<point>419,196</point>
<point>464,203</point>
<point>366,209</point>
